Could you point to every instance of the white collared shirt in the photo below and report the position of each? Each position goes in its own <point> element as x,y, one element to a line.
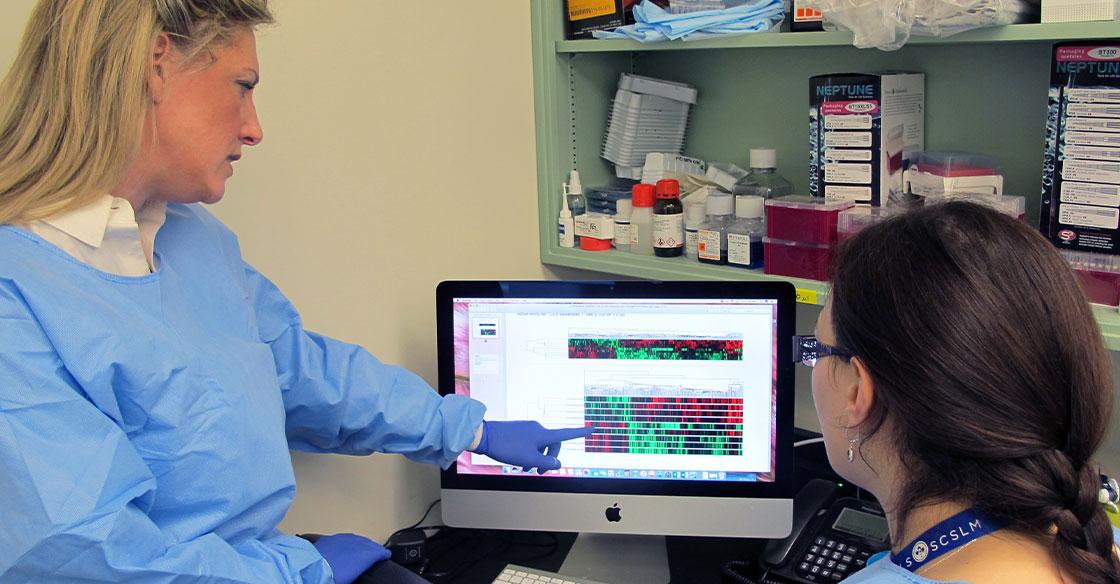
<point>107,235</point>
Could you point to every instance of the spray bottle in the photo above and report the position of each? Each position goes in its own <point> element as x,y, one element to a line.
<point>566,225</point>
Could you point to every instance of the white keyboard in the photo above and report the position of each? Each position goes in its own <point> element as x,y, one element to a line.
<point>513,574</point>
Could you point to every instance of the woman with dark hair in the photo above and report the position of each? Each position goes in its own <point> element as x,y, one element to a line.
<point>962,380</point>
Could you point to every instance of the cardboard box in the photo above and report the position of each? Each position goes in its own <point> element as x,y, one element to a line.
<point>863,126</point>
<point>1081,164</point>
<point>586,16</point>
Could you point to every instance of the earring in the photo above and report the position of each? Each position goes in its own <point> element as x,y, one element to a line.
<point>851,447</point>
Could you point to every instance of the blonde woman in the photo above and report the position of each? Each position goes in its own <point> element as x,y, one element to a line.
<point>152,382</point>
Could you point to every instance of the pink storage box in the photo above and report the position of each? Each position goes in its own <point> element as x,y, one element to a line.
<point>803,219</point>
<point>797,259</point>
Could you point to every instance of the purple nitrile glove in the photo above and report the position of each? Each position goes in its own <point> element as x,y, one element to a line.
<point>349,555</point>
<point>526,444</point>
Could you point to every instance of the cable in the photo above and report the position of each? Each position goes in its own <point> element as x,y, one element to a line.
<point>808,441</point>
<point>430,507</point>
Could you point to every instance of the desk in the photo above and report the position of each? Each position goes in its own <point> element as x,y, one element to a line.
<point>691,559</point>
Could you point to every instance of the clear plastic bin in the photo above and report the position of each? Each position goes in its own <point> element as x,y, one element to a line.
<point>797,258</point>
<point>803,219</point>
<point>851,221</point>
<point>1008,205</point>
<point>935,173</point>
<point>1099,273</point>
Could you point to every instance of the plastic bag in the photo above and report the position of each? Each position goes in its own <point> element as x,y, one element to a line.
<point>888,24</point>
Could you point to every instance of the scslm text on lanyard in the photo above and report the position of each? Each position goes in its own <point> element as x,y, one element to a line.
<point>959,530</point>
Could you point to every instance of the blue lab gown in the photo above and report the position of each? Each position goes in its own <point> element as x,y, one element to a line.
<point>145,422</point>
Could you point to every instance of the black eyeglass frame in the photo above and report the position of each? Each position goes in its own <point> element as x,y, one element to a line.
<point>807,350</point>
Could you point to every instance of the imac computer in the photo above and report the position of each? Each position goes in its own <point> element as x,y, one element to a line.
<point>688,386</point>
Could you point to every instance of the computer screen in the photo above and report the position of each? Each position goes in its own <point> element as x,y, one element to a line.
<point>688,387</point>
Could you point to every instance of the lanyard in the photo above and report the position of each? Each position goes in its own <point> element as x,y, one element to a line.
<point>959,530</point>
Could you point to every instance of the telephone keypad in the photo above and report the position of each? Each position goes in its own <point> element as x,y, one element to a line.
<point>831,560</point>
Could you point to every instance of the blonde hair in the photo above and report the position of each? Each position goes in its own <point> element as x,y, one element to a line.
<point>72,106</point>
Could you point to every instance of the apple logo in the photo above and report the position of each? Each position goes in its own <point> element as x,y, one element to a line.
<point>614,513</point>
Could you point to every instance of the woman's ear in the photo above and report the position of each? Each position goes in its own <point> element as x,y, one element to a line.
<point>160,65</point>
<point>861,394</point>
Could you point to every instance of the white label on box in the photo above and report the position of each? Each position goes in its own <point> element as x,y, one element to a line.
<point>1091,194</point>
<point>707,245</point>
<point>848,122</point>
<point>839,193</point>
<point>1092,153</point>
<point>1093,125</point>
<point>1082,94</point>
<point>738,249</point>
<point>841,172</point>
<point>1085,216</point>
<point>847,139</point>
<point>847,155</point>
<point>1093,139</point>
<point>1093,110</point>
<point>595,226</point>
<point>1091,171</point>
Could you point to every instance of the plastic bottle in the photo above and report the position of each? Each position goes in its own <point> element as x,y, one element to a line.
<point>641,220</point>
<point>694,215</point>
<point>713,232</point>
<point>763,180</point>
<point>566,225</point>
<point>668,220</point>
<point>744,237</point>
<point>577,202</point>
<point>623,210</point>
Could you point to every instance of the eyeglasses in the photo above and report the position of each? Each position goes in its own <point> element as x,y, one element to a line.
<point>807,350</point>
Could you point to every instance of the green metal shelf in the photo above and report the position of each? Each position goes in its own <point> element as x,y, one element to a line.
<point>1015,33</point>
<point>808,291</point>
<point>1109,319</point>
<point>680,268</point>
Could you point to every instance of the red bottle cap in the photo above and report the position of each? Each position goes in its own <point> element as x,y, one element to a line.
<point>642,195</point>
<point>668,188</point>
<point>592,244</point>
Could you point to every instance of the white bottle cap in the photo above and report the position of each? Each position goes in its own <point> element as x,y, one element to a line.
<point>694,213</point>
<point>574,186</point>
<point>720,204</point>
<point>623,208</point>
<point>749,207</point>
<point>763,158</point>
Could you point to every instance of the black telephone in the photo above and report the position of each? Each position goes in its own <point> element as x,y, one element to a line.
<point>831,539</point>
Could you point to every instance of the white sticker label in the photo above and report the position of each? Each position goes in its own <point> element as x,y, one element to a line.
<point>1091,194</point>
<point>854,194</point>
<point>1086,95</point>
<point>1084,216</point>
<point>622,233</point>
<point>1093,110</point>
<point>1093,139</point>
<point>1092,153</point>
<point>847,139</point>
<point>738,249</point>
<point>668,231</point>
<point>1091,171</point>
<point>847,155</point>
<point>1092,125</point>
<point>708,245</point>
<point>848,122</point>
<point>847,173</point>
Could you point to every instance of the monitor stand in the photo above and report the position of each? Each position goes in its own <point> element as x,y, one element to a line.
<point>618,559</point>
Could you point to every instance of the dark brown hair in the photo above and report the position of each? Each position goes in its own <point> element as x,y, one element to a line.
<point>991,368</point>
